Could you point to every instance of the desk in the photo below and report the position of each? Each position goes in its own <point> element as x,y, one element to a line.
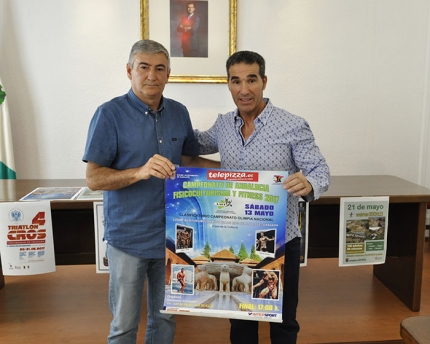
<point>402,271</point>
<point>73,226</point>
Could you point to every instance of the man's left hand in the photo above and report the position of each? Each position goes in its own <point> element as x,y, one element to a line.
<point>297,184</point>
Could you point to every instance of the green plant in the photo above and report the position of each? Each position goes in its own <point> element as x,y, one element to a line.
<point>2,95</point>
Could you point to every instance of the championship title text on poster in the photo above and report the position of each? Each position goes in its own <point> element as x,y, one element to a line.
<point>225,238</point>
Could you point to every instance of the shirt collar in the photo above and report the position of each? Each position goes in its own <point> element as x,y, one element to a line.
<point>263,117</point>
<point>141,105</point>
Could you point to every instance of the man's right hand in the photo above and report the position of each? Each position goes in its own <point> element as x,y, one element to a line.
<point>104,178</point>
<point>157,166</point>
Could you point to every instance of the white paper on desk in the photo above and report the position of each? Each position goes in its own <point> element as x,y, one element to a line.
<point>26,239</point>
<point>363,230</point>
<point>53,193</point>
<point>88,194</point>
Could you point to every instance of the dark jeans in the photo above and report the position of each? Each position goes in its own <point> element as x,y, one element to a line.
<point>246,331</point>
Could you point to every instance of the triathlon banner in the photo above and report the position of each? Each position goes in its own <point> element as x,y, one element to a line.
<point>225,239</point>
<point>26,240</point>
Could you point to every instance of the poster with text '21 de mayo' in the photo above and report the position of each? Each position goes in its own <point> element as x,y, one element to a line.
<point>26,240</point>
<point>225,243</point>
<point>363,230</point>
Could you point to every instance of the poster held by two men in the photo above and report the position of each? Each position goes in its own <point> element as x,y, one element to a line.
<point>225,238</point>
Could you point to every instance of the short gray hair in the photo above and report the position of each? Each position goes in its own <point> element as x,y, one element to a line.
<point>150,47</point>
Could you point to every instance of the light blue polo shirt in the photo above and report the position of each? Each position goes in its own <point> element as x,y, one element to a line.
<point>125,133</point>
<point>280,141</point>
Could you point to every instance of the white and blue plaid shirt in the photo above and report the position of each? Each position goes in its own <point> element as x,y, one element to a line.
<point>281,141</point>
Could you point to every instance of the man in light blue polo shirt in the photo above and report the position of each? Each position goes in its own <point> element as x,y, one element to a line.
<point>134,142</point>
<point>260,136</point>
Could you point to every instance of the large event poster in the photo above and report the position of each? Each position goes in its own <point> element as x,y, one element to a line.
<point>26,240</point>
<point>225,238</point>
<point>363,230</point>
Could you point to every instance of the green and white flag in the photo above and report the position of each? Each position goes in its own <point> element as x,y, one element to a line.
<point>7,161</point>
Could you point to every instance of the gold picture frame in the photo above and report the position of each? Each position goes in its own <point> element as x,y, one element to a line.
<point>221,14</point>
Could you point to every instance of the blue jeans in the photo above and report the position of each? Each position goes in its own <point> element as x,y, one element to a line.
<point>127,277</point>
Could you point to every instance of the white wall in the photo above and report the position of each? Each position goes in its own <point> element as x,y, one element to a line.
<point>357,70</point>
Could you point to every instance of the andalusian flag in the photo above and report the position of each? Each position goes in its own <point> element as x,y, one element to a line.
<point>7,161</point>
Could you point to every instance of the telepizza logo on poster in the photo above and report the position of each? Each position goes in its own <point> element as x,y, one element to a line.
<point>232,175</point>
<point>26,233</point>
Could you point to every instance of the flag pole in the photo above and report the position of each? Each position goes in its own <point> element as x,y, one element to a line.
<point>7,160</point>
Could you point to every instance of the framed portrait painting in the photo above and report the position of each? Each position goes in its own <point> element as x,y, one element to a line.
<point>200,36</point>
